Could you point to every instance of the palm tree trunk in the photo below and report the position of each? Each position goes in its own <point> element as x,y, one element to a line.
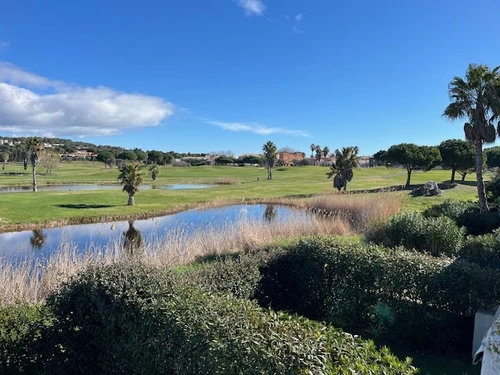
<point>452,175</point>
<point>34,179</point>
<point>131,201</point>
<point>269,173</point>
<point>408,177</point>
<point>481,194</point>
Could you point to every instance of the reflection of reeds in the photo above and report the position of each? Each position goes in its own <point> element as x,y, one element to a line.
<point>339,215</point>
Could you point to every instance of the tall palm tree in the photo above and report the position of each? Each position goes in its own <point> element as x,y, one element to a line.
<point>476,98</point>
<point>313,148</point>
<point>345,161</point>
<point>131,178</point>
<point>319,153</point>
<point>33,149</point>
<point>269,150</point>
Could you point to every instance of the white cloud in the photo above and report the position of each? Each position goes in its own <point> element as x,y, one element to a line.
<point>299,17</point>
<point>4,44</point>
<point>61,109</point>
<point>252,7</point>
<point>255,128</point>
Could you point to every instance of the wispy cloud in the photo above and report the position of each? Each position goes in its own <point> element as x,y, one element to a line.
<point>252,7</point>
<point>4,44</point>
<point>31,104</point>
<point>255,128</point>
<point>299,17</point>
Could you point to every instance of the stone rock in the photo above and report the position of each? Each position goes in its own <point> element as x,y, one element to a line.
<point>430,188</point>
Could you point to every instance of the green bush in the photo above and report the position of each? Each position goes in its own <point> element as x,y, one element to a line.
<point>466,214</point>
<point>435,235</point>
<point>236,274</point>
<point>22,330</point>
<point>483,250</point>
<point>404,297</point>
<point>133,319</point>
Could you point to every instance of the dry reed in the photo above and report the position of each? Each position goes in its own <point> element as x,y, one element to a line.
<point>339,215</point>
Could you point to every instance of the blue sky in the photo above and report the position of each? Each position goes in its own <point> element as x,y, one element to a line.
<point>203,76</point>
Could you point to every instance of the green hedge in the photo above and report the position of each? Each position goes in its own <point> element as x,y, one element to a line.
<point>405,297</point>
<point>134,319</point>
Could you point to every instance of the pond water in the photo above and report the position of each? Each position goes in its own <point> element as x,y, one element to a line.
<point>40,244</point>
<point>18,189</point>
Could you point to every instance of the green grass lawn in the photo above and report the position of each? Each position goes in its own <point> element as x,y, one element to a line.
<point>230,183</point>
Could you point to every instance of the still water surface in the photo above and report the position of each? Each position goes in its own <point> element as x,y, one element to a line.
<point>42,243</point>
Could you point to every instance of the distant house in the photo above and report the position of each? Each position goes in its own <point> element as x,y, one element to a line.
<point>79,155</point>
<point>288,158</point>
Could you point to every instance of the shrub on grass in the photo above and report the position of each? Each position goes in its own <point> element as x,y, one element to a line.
<point>435,235</point>
<point>133,319</point>
<point>466,214</point>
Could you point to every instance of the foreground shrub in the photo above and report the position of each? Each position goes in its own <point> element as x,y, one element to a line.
<point>483,250</point>
<point>21,330</point>
<point>407,298</point>
<point>435,235</point>
<point>133,319</point>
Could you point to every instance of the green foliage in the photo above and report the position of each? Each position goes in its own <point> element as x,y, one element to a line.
<point>411,299</point>
<point>22,350</point>
<point>131,178</point>
<point>483,250</point>
<point>133,319</point>
<point>467,215</point>
<point>435,235</point>
<point>492,157</point>
<point>492,189</point>
<point>413,157</point>
<point>457,155</point>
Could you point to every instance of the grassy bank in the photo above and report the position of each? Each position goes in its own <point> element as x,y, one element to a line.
<point>231,185</point>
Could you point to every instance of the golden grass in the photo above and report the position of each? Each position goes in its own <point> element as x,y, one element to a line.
<point>342,215</point>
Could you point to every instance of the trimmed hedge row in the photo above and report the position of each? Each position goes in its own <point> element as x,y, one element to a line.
<point>397,295</point>
<point>136,320</point>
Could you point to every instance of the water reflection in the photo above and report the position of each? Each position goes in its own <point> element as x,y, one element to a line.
<point>38,238</point>
<point>132,242</point>
<point>135,235</point>
<point>270,213</point>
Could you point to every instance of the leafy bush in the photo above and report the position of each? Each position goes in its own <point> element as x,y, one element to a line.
<point>236,274</point>
<point>411,299</point>
<point>492,189</point>
<point>483,250</point>
<point>21,332</point>
<point>466,214</point>
<point>435,235</point>
<point>450,208</point>
<point>133,319</point>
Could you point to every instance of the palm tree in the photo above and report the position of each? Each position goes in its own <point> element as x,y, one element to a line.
<point>154,170</point>
<point>313,148</point>
<point>476,98</point>
<point>319,153</point>
<point>33,148</point>
<point>131,178</point>
<point>345,161</point>
<point>269,150</point>
<point>326,150</point>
